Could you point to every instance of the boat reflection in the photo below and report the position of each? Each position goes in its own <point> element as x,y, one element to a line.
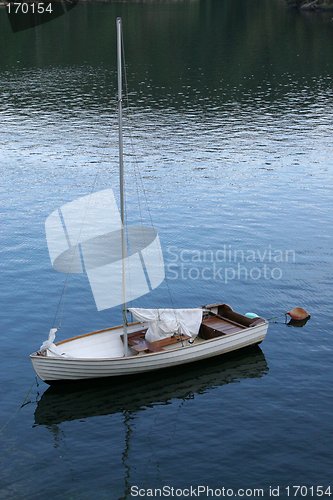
<point>65,403</point>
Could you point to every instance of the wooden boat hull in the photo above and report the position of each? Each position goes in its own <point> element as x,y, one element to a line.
<point>53,369</point>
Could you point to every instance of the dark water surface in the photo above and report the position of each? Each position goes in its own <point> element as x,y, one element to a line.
<point>231,124</point>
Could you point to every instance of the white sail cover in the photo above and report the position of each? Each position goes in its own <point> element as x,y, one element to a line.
<point>163,323</point>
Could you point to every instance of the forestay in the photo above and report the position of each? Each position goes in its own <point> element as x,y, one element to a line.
<point>163,323</point>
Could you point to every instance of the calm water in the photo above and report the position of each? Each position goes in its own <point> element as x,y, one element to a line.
<point>231,107</point>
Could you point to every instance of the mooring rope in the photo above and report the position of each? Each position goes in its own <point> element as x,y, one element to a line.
<point>20,406</point>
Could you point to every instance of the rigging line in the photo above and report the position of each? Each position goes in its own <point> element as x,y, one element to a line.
<point>136,166</point>
<point>152,224</point>
<point>61,303</point>
<point>137,175</point>
<point>67,277</point>
<point>130,133</point>
<point>127,275</point>
<point>137,171</point>
<point>24,403</point>
<point>133,164</point>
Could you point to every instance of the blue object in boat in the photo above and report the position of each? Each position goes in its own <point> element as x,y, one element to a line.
<point>251,315</point>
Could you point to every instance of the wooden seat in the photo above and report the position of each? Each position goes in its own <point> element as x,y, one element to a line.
<point>159,344</point>
<point>137,341</point>
<point>217,326</point>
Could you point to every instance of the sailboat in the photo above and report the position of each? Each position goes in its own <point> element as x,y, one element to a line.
<point>159,338</point>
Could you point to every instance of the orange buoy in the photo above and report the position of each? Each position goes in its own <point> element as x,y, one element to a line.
<point>298,314</point>
<point>298,322</point>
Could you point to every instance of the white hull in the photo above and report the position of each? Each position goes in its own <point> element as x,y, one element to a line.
<point>56,368</point>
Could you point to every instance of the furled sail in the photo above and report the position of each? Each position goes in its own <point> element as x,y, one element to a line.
<point>164,323</point>
<point>85,236</point>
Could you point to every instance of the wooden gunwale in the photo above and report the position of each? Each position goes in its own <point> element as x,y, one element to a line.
<point>95,333</point>
<point>148,353</point>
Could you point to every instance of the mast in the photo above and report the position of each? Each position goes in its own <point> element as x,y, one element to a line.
<point>121,176</point>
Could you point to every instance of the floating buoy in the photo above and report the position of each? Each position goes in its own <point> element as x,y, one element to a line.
<point>298,322</point>
<point>298,314</point>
